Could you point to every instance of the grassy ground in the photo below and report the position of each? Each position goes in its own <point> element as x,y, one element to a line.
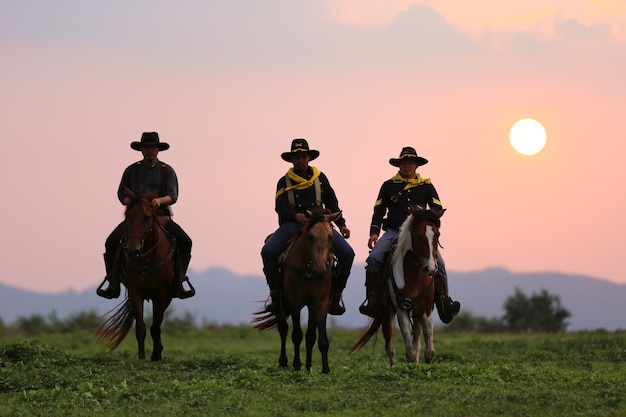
<point>234,371</point>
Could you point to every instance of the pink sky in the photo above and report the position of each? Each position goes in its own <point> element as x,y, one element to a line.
<point>229,84</point>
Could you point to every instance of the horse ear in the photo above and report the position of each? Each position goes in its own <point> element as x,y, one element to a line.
<point>440,212</point>
<point>152,195</point>
<point>308,213</point>
<point>333,217</point>
<point>129,193</point>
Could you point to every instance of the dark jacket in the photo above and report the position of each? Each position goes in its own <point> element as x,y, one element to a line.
<point>305,199</point>
<point>397,212</point>
<point>143,179</point>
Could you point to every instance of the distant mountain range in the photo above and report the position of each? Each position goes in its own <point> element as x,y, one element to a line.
<point>226,298</point>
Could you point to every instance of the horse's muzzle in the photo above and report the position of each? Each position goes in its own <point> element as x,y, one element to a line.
<point>317,273</point>
<point>133,253</point>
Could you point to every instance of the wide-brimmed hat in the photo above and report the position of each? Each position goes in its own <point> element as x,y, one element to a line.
<point>297,146</point>
<point>410,154</point>
<point>149,139</point>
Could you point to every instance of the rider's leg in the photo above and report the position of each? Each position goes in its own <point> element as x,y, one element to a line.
<point>446,307</point>
<point>345,256</point>
<point>270,253</point>
<point>112,246</point>
<point>183,245</point>
<point>372,271</point>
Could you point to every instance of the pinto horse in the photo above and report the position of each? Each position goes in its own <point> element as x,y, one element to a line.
<point>306,277</point>
<point>148,273</point>
<point>408,289</point>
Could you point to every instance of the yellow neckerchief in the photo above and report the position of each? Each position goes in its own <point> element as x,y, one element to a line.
<point>411,182</point>
<point>300,183</point>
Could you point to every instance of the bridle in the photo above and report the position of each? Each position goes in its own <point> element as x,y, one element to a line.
<point>307,271</point>
<point>139,259</point>
<point>408,303</point>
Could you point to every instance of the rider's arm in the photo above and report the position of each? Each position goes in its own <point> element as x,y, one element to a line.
<point>380,209</point>
<point>282,207</point>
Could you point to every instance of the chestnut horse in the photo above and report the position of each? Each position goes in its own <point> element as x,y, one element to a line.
<point>148,272</point>
<point>408,288</point>
<point>306,277</point>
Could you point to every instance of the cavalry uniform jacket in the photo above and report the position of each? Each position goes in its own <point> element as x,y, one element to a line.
<point>305,199</point>
<point>143,179</point>
<point>395,197</point>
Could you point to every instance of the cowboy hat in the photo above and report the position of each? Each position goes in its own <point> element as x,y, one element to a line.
<point>410,154</point>
<point>149,139</point>
<point>299,145</point>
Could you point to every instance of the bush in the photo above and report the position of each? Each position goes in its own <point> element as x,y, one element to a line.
<point>539,312</point>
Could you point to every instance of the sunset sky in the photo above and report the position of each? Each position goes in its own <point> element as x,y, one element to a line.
<point>229,83</point>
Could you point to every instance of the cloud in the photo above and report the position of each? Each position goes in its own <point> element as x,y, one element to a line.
<point>477,18</point>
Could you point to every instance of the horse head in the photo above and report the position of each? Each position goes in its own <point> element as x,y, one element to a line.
<point>424,231</point>
<point>318,234</point>
<point>140,220</point>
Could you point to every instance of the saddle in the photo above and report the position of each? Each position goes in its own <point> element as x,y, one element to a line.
<point>285,251</point>
<point>163,220</point>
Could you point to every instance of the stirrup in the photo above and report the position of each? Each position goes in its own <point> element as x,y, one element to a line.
<point>367,309</point>
<point>450,307</point>
<point>273,305</point>
<point>182,293</point>
<point>109,293</point>
<point>270,307</point>
<point>445,316</point>
<point>338,308</point>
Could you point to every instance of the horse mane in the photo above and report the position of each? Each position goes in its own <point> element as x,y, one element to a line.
<point>315,215</point>
<point>404,241</point>
<point>136,198</point>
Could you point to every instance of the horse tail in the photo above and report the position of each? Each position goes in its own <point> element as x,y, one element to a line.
<point>375,324</point>
<point>264,320</point>
<point>115,329</point>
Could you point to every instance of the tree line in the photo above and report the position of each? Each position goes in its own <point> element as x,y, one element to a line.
<point>539,312</point>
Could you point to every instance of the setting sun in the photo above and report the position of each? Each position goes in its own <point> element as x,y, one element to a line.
<point>527,136</point>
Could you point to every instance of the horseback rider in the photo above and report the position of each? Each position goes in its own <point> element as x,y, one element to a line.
<point>301,189</point>
<point>394,198</point>
<point>144,177</point>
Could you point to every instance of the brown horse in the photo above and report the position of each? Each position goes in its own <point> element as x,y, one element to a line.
<point>148,271</point>
<point>306,277</point>
<point>408,288</point>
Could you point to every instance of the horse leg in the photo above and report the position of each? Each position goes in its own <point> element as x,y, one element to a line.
<point>283,329</point>
<point>140,325</point>
<point>404,322</point>
<point>296,338</point>
<point>390,347</point>
<point>429,345</point>
<point>158,310</point>
<point>322,341</point>
<point>417,335</point>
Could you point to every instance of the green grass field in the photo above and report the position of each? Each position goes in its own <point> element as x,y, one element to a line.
<point>233,371</point>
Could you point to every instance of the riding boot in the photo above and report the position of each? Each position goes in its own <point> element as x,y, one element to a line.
<point>368,307</point>
<point>446,308</point>
<point>273,281</point>
<point>112,277</point>
<point>337,308</point>
<point>182,292</point>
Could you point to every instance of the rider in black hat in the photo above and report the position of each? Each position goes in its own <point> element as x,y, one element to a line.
<point>144,177</point>
<point>390,211</point>
<point>301,189</point>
